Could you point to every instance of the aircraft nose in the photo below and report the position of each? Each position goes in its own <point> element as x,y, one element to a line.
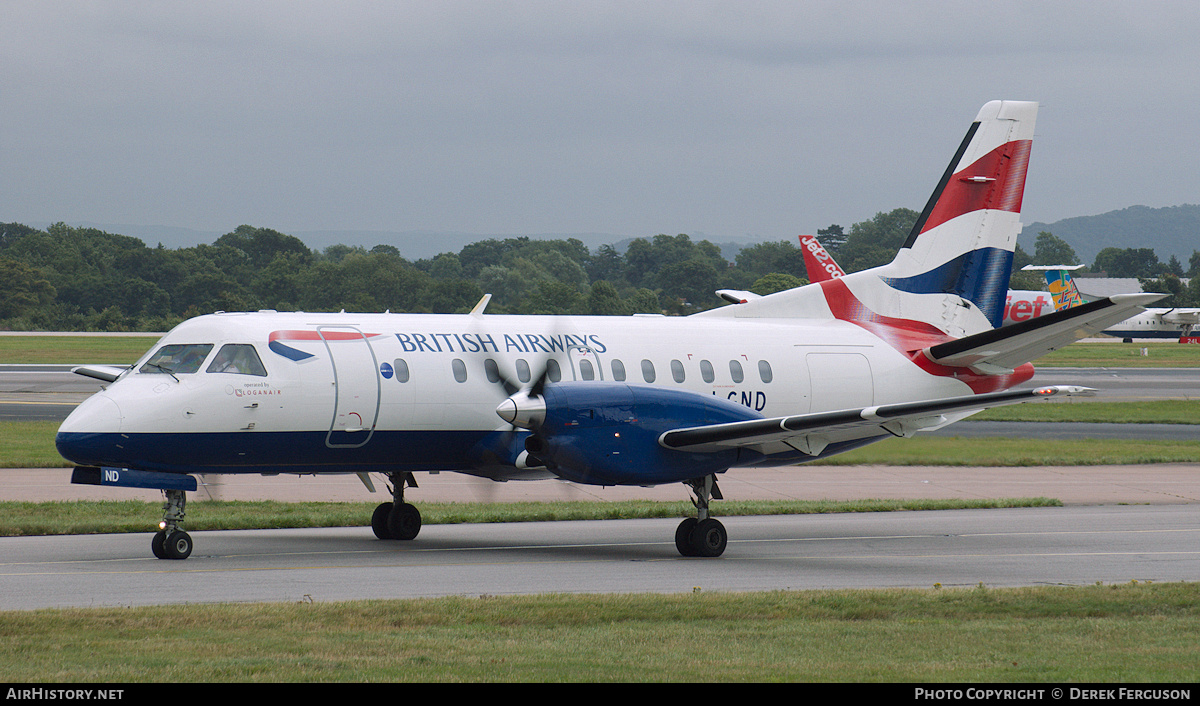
<point>98,413</point>
<point>78,437</point>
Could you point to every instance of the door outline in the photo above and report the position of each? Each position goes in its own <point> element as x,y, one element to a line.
<point>578,352</point>
<point>342,386</point>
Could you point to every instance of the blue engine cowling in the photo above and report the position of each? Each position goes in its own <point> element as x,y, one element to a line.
<point>606,433</point>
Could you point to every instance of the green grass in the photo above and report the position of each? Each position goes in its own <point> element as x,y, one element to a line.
<point>19,519</point>
<point>74,350</point>
<point>1157,412</point>
<point>1164,354</point>
<point>1137,632</point>
<point>29,445</point>
<point>986,451</point>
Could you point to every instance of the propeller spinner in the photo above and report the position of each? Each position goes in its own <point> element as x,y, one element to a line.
<point>524,409</point>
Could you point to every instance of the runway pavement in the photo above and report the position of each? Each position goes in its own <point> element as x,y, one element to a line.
<point>1163,484</point>
<point>1070,546</point>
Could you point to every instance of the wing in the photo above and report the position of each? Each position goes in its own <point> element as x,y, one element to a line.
<point>811,433</point>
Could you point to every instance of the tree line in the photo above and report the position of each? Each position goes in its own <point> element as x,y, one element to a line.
<point>85,279</point>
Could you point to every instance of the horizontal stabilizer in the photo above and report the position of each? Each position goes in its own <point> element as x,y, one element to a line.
<point>810,433</point>
<point>737,296</point>
<point>107,373</point>
<point>1003,349</point>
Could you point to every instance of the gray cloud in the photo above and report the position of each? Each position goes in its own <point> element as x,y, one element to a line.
<point>765,118</point>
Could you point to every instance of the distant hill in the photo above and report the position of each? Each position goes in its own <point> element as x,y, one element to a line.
<point>1173,230</point>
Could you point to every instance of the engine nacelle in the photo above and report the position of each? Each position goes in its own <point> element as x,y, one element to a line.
<point>606,433</point>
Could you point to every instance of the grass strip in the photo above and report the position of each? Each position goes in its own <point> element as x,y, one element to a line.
<point>74,350</point>
<point>999,451</point>
<point>1159,354</point>
<point>121,516</point>
<point>1135,632</point>
<point>1157,412</point>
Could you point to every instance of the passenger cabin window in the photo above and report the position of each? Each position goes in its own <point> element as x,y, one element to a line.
<point>648,371</point>
<point>586,371</point>
<point>735,371</point>
<point>618,370</point>
<point>239,359</point>
<point>401,366</point>
<point>553,372</point>
<point>177,358</point>
<point>460,369</point>
<point>764,371</point>
<point>677,371</point>
<point>491,370</point>
<point>522,370</point>
<point>706,371</point>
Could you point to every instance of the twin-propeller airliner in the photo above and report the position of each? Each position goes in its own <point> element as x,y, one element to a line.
<point>641,400</point>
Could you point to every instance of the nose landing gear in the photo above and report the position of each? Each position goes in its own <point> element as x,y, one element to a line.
<point>170,542</point>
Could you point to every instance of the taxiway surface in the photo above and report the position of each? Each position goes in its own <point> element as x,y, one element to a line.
<point>1014,547</point>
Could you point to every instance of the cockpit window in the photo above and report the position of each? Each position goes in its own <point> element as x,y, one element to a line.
<point>177,358</point>
<point>239,358</point>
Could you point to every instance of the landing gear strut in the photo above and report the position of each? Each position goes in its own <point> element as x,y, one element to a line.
<point>170,542</point>
<point>702,535</point>
<point>397,519</point>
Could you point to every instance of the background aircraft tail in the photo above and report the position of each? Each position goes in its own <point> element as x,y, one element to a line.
<point>1063,290</point>
<point>819,264</point>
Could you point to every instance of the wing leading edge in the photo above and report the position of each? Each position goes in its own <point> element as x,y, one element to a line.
<point>811,433</point>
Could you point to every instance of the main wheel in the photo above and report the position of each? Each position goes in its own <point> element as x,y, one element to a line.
<point>683,537</point>
<point>709,538</point>
<point>158,544</point>
<point>379,521</point>
<point>404,521</point>
<point>178,545</point>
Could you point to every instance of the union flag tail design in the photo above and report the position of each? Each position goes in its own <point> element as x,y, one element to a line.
<point>962,244</point>
<point>951,275</point>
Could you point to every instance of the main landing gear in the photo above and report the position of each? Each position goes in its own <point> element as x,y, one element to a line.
<point>397,519</point>
<point>170,542</point>
<point>702,535</point>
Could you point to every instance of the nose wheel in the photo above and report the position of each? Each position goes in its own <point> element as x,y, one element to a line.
<point>171,542</point>
<point>702,536</point>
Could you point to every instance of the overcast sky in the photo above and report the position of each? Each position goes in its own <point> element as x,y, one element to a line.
<point>767,119</point>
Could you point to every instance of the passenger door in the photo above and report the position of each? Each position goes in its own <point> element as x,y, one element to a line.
<point>356,386</point>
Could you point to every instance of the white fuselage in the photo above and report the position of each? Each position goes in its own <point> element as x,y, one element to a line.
<point>352,392</point>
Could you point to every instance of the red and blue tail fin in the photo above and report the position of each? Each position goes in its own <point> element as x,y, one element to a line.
<point>952,272</point>
<point>962,244</point>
